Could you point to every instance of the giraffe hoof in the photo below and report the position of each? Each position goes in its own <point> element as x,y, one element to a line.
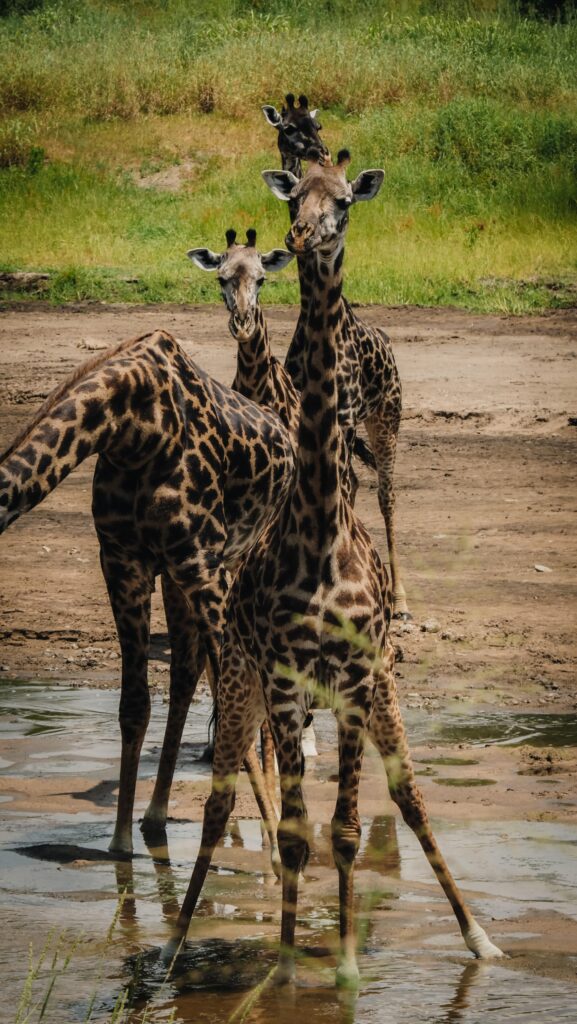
<point>154,828</point>
<point>480,944</point>
<point>403,616</point>
<point>284,973</point>
<point>348,976</point>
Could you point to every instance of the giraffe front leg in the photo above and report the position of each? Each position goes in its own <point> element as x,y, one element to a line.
<point>241,710</point>
<point>346,835</point>
<point>388,735</point>
<point>292,833</point>
<point>187,659</point>
<point>129,591</point>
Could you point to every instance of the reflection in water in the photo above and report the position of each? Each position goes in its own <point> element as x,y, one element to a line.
<point>407,974</point>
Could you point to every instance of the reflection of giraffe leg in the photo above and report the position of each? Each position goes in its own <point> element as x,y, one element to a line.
<point>388,735</point>
<point>382,430</point>
<point>346,835</point>
<point>129,588</point>
<point>165,880</point>
<point>241,710</point>
<point>187,657</point>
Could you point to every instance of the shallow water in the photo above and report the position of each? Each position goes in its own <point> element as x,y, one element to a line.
<point>55,874</point>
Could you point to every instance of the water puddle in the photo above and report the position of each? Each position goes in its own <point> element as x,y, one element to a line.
<point>464,782</point>
<point>59,884</point>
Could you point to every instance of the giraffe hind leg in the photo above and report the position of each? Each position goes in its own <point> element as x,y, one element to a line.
<point>187,659</point>
<point>129,589</point>
<point>388,735</point>
<point>382,430</point>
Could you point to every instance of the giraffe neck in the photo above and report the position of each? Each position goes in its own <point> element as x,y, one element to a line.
<point>254,364</point>
<point>321,457</point>
<point>293,164</point>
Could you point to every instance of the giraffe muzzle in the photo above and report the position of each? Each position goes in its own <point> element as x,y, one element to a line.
<point>300,240</point>
<point>242,325</point>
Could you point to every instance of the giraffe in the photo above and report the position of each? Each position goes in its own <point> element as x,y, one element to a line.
<point>369,384</point>
<point>241,273</point>
<point>259,376</point>
<point>309,614</point>
<point>188,474</point>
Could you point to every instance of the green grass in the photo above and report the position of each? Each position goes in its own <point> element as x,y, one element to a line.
<point>473,117</point>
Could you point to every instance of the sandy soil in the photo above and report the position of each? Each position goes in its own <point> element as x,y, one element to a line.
<point>486,478</point>
<point>486,475</point>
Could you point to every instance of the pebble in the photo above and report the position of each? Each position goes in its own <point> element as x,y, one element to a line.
<point>542,568</point>
<point>430,626</point>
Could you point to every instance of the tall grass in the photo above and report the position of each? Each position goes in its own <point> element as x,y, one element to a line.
<point>471,109</point>
<point>121,60</point>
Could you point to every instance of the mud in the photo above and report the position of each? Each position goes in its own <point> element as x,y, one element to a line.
<point>486,673</point>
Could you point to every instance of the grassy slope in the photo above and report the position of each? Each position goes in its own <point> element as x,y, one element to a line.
<point>475,121</point>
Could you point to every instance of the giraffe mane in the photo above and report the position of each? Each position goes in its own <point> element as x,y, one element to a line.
<point>61,390</point>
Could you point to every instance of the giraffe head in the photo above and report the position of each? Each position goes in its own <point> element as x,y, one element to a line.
<point>298,131</point>
<point>322,200</point>
<point>241,272</point>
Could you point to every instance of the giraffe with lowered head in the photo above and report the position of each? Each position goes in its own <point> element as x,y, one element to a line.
<point>368,379</point>
<point>309,614</point>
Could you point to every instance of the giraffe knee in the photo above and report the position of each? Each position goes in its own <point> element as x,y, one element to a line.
<point>217,810</point>
<point>346,838</point>
<point>133,716</point>
<point>293,843</point>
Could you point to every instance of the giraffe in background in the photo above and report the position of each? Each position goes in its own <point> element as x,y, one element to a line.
<point>368,380</point>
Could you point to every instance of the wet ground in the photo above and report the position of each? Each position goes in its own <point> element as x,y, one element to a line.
<point>486,483</point>
<point>60,887</point>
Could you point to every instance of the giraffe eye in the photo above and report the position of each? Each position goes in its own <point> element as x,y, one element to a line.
<point>343,203</point>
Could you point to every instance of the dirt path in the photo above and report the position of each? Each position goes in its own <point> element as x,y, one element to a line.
<point>486,490</point>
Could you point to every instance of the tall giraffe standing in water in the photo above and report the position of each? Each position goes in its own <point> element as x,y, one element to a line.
<point>368,380</point>
<point>188,475</point>
<point>309,613</point>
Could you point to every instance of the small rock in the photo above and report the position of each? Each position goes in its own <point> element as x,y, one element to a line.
<point>430,626</point>
<point>46,549</point>
<point>92,344</point>
<point>406,627</point>
<point>542,568</point>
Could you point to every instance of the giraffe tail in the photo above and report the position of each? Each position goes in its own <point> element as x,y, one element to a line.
<point>365,453</point>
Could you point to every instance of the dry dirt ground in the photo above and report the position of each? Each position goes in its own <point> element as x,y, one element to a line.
<point>486,484</point>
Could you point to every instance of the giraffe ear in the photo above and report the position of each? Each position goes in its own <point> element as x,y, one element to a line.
<point>206,259</point>
<point>276,259</point>
<point>272,115</point>
<point>366,185</point>
<point>281,183</point>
